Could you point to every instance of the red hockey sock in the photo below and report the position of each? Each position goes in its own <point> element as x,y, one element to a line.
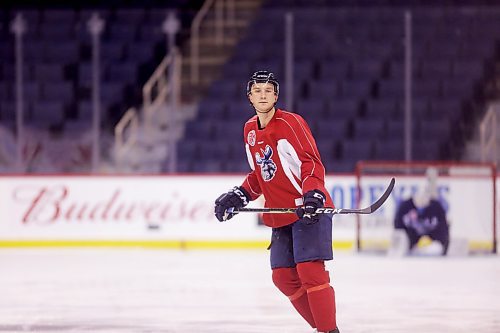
<point>320,294</point>
<point>288,282</point>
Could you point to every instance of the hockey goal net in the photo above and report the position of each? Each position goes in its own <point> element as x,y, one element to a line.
<point>467,192</point>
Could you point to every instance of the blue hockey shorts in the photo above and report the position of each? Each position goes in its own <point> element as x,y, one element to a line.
<point>300,242</point>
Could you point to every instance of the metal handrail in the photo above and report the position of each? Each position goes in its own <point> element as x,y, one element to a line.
<point>122,144</point>
<point>195,40</point>
<point>167,71</point>
<point>220,22</point>
<point>488,132</point>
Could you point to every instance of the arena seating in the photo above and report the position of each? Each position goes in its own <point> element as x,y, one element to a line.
<point>348,71</point>
<point>349,81</point>
<point>57,69</point>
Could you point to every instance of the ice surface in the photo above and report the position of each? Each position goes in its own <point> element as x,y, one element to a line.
<point>144,290</point>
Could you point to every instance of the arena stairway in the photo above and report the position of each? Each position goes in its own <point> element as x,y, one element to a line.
<point>152,151</point>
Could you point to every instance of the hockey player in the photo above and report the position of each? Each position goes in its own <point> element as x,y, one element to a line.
<point>423,215</point>
<point>287,170</point>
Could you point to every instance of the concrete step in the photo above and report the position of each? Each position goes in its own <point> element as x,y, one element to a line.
<point>209,60</point>
<point>210,40</point>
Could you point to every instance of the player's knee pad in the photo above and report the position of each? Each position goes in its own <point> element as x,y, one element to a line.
<point>286,280</point>
<point>312,274</point>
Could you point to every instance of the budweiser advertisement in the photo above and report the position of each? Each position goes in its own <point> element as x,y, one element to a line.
<point>145,207</point>
<point>180,208</point>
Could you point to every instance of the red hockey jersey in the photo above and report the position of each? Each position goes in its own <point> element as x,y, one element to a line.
<point>285,164</point>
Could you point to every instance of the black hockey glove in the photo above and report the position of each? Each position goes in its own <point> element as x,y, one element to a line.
<point>312,200</point>
<point>237,197</point>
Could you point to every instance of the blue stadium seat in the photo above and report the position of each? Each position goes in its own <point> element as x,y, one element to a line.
<point>331,130</point>
<point>355,150</point>
<point>366,129</point>
<point>123,32</point>
<point>46,113</point>
<point>312,106</point>
<point>188,150</point>
<point>211,109</point>
<point>125,72</point>
<point>432,68</point>
<point>426,87</point>
<point>336,69</point>
<point>342,108</point>
<point>426,150</point>
<point>48,72</point>
<point>323,89</point>
<point>112,51</point>
<point>229,131</point>
<point>61,17</point>
<point>435,129</point>
<point>326,148</point>
<point>383,108</point>
<point>112,92</point>
<point>391,89</point>
<point>199,130</point>
<point>57,31</point>
<point>7,111</point>
<point>58,91</point>
<point>356,88</point>
<point>139,52</point>
<point>368,69</point>
<point>390,150</point>
<point>240,110</point>
<point>132,16</point>
<point>62,52</point>
<point>32,91</point>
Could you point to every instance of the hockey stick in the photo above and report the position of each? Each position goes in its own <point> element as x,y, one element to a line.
<point>324,210</point>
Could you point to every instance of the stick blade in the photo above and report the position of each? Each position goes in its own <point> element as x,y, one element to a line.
<point>376,205</point>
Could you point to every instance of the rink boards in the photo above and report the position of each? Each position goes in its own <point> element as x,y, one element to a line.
<point>177,211</point>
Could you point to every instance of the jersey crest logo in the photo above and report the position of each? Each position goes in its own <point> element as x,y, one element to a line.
<point>267,166</point>
<point>251,138</point>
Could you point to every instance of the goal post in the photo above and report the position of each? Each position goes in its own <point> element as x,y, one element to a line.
<point>467,192</point>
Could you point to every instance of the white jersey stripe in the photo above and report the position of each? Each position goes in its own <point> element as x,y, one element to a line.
<point>290,163</point>
<point>310,144</point>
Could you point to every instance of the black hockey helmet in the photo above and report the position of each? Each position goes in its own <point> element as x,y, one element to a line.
<point>263,77</point>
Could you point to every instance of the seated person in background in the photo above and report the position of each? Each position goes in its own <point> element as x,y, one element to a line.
<point>423,215</point>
